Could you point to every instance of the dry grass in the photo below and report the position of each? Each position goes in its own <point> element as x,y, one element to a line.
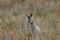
<point>13,20</point>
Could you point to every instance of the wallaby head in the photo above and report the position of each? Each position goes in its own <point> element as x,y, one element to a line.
<point>29,18</point>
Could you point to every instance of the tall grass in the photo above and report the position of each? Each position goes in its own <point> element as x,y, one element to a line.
<point>13,21</point>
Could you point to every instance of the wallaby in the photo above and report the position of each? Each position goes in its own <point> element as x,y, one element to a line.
<point>30,27</point>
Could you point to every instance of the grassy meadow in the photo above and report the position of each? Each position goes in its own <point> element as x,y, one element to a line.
<point>13,19</point>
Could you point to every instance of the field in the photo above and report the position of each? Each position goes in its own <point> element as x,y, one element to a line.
<point>13,19</point>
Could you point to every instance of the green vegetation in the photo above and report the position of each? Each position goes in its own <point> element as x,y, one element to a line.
<point>46,16</point>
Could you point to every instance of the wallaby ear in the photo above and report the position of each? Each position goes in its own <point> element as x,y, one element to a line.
<point>31,15</point>
<point>26,15</point>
